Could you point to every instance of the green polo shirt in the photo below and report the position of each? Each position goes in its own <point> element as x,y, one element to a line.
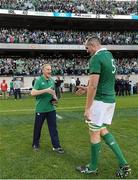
<point>11,84</point>
<point>43,103</point>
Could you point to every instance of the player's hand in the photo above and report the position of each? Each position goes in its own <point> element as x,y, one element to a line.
<point>54,100</point>
<point>51,91</point>
<point>81,90</point>
<point>55,97</point>
<point>87,115</point>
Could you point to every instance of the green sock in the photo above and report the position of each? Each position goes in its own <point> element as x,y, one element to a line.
<point>95,149</point>
<point>110,141</point>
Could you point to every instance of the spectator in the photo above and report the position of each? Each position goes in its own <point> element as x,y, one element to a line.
<point>17,88</point>
<point>62,86</point>
<point>58,82</point>
<point>4,88</point>
<point>33,82</point>
<point>11,88</point>
<point>77,83</point>
<point>72,85</point>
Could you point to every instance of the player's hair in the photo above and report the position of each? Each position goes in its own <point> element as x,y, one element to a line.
<point>44,66</point>
<point>93,40</point>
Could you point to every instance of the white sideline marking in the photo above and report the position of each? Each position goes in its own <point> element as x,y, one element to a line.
<point>73,97</point>
<point>59,117</point>
<point>21,110</point>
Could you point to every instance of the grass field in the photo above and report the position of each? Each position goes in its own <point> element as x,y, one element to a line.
<point>19,161</point>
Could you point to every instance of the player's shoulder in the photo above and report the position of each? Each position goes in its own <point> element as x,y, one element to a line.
<point>39,79</point>
<point>52,80</point>
<point>103,54</point>
<point>95,57</point>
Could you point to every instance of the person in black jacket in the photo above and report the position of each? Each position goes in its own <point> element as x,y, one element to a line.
<point>58,82</point>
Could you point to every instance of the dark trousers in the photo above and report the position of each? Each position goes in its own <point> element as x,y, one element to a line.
<point>11,91</point>
<point>52,126</point>
<point>58,93</point>
<point>17,92</point>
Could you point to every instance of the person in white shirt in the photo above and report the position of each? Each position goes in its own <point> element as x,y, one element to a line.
<point>73,84</point>
<point>17,88</point>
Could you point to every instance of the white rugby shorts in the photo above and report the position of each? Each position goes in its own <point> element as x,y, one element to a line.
<point>101,113</point>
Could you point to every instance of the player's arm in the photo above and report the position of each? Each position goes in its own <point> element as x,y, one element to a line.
<point>82,90</point>
<point>91,91</point>
<point>36,92</point>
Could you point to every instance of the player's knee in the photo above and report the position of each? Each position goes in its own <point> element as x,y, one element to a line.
<point>104,131</point>
<point>95,136</point>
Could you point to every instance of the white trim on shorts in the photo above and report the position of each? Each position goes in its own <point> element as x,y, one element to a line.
<point>101,113</point>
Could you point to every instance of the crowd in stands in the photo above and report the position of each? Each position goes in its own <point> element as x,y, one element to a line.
<point>61,65</point>
<point>74,6</point>
<point>127,66</point>
<point>32,66</point>
<point>66,37</point>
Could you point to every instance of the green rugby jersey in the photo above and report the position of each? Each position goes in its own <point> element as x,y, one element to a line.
<point>43,103</point>
<point>103,63</point>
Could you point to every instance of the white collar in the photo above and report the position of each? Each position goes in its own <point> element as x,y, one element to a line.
<point>102,49</point>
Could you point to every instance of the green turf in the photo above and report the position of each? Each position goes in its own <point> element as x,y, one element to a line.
<point>19,161</point>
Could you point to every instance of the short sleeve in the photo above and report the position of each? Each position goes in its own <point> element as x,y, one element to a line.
<point>37,85</point>
<point>94,65</point>
<point>53,82</point>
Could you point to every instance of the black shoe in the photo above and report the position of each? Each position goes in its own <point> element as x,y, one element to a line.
<point>59,150</point>
<point>123,171</point>
<point>36,147</point>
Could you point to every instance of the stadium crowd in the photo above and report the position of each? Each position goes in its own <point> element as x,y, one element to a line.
<point>70,6</point>
<point>65,37</point>
<point>71,65</point>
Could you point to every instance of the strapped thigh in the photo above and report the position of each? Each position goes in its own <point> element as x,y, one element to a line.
<point>94,127</point>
